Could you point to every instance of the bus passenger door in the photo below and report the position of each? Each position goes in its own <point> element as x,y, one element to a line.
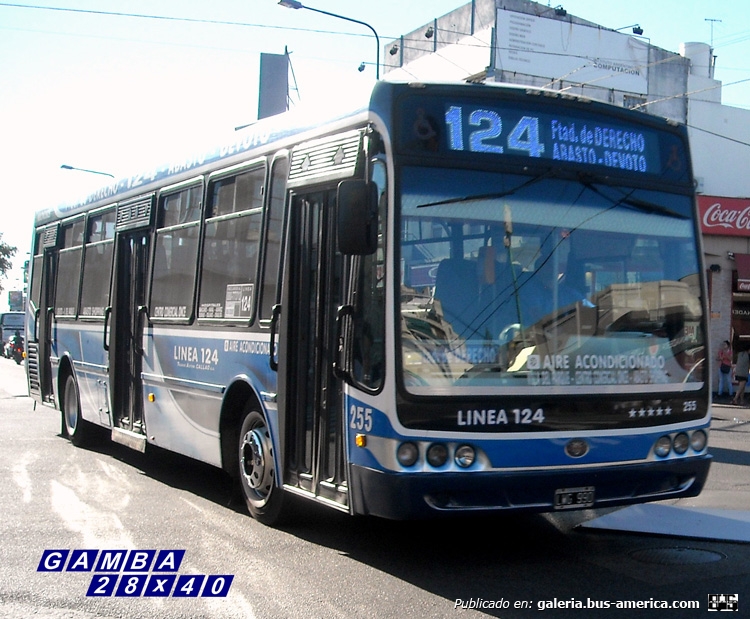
<point>39,339</point>
<point>310,397</point>
<point>126,337</point>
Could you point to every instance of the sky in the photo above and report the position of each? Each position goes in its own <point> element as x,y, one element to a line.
<point>121,94</point>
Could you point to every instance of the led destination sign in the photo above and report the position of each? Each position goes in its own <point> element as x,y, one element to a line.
<point>482,130</point>
<point>548,131</point>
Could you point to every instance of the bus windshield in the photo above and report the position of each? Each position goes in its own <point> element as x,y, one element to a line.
<point>519,282</point>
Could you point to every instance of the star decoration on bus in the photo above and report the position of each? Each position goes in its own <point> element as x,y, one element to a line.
<point>650,412</point>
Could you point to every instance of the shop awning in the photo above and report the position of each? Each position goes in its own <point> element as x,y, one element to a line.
<point>742,262</point>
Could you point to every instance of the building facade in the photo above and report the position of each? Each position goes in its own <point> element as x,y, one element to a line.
<point>524,42</point>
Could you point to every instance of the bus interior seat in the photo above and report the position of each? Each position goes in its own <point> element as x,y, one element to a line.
<point>496,286</point>
<point>456,289</point>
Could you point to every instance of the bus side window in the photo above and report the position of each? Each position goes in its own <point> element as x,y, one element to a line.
<point>176,256</point>
<point>69,270</point>
<point>231,245</point>
<point>369,300</point>
<point>97,264</point>
<point>273,235</point>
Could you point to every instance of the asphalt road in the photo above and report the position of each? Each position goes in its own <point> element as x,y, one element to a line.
<point>326,564</point>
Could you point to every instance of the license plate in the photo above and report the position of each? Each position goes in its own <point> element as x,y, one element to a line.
<point>574,498</point>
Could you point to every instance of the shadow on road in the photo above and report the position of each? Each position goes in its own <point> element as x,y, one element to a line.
<point>524,559</point>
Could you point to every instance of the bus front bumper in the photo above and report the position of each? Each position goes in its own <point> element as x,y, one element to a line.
<point>401,496</point>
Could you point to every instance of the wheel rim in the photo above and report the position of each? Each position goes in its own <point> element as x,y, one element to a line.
<point>256,462</point>
<point>71,407</point>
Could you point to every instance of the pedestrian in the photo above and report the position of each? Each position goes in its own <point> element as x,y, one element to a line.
<point>725,369</point>
<point>740,373</point>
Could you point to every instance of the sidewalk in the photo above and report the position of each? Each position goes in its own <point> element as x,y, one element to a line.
<point>722,511</point>
<point>728,485</point>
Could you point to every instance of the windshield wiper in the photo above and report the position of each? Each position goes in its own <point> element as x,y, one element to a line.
<point>489,196</point>
<point>641,205</point>
<point>650,207</point>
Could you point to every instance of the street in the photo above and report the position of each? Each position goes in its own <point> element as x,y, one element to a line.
<point>326,564</point>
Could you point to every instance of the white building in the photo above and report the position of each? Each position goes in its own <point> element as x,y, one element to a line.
<point>524,42</point>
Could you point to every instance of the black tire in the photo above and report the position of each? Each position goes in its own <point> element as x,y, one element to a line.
<point>75,427</point>
<point>263,497</point>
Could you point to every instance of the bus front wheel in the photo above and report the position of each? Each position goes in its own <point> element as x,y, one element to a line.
<point>262,495</point>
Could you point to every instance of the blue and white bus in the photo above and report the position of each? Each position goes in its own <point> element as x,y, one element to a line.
<point>451,298</point>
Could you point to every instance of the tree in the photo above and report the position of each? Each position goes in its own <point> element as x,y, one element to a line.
<point>6,253</point>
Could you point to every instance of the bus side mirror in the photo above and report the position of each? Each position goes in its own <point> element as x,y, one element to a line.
<point>357,228</point>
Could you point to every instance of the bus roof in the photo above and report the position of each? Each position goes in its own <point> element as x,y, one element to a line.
<point>339,106</point>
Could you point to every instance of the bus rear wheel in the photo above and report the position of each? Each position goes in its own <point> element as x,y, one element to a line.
<point>264,498</point>
<point>74,425</point>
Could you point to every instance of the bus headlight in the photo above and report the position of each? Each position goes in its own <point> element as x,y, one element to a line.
<point>681,443</point>
<point>437,455</point>
<point>663,446</point>
<point>465,456</point>
<point>699,440</point>
<point>407,454</point>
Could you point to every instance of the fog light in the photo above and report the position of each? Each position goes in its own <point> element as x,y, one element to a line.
<point>437,455</point>
<point>577,448</point>
<point>681,443</point>
<point>407,454</point>
<point>663,446</point>
<point>465,456</point>
<point>699,440</point>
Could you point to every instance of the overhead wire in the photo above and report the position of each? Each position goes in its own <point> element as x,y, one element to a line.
<point>738,38</point>
<point>171,18</point>
<point>672,58</point>
<point>479,43</point>
<point>195,20</point>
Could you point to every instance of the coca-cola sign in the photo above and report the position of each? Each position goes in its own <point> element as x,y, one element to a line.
<point>724,216</point>
<point>742,264</point>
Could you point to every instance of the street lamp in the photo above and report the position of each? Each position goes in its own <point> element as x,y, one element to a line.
<point>637,30</point>
<point>65,166</point>
<point>295,4</point>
